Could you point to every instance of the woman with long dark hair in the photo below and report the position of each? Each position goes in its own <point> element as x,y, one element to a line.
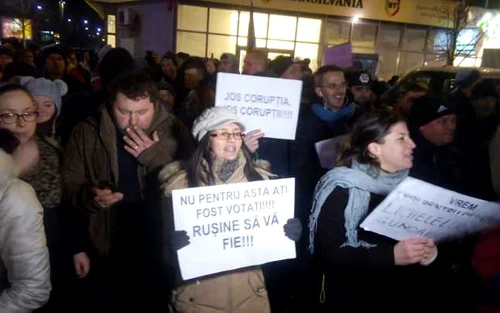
<point>360,270</point>
<point>220,158</point>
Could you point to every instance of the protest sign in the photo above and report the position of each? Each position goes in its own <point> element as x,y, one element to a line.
<point>340,55</point>
<point>269,104</point>
<point>328,151</point>
<point>418,209</point>
<point>233,225</point>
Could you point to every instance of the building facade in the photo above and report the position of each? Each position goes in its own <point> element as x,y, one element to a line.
<point>399,34</point>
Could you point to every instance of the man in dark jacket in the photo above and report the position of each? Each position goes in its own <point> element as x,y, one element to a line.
<point>111,161</point>
<point>433,124</point>
<point>436,161</point>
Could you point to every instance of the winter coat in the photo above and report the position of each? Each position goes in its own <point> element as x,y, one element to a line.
<point>239,291</point>
<point>24,258</point>
<point>91,158</point>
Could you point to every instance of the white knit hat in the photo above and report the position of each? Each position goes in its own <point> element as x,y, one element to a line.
<point>212,119</point>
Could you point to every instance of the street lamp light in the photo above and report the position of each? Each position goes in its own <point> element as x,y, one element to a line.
<point>86,28</point>
<point>69,20</point>
<point>85,22</point>
<point>354,20</point>
<point>39,7</point>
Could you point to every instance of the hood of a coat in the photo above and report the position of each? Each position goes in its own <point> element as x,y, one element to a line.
<point>8,169</point>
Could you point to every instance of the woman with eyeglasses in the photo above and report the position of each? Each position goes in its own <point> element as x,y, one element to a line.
<point>19,113</point>
<point>220,158</point>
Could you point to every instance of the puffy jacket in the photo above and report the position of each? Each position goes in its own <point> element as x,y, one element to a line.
<point>24,258</point>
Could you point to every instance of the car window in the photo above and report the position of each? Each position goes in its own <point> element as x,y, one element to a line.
<point>439,82</point>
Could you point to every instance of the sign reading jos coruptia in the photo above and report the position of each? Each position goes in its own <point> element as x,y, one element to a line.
<point>269,104</point>
<point>233,225</point>
<point>419,209</point>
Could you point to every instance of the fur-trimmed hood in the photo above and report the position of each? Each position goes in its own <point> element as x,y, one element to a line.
<point>174,176</point>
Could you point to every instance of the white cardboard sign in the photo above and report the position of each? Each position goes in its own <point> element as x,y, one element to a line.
<point>419,209</point>
<point>269,104</point>
<point>233,226</point>
<point>328,151</point>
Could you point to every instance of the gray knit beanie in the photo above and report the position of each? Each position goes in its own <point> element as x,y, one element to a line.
<point>46,87</point>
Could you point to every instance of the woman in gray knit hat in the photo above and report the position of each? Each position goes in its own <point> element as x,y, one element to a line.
<point>220,158</point>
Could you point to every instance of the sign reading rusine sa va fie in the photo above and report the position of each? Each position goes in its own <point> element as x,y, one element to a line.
<point>269,104</point>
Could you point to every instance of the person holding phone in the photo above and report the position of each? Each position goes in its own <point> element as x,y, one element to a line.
<point>109,161</point>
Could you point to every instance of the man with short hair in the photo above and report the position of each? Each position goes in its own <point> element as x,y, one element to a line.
<point>111,163</point>
<point>255,62</point>
<point>408,94</point>
<point>432,125</point>
<point>359,85</point>
<point>228,64</point>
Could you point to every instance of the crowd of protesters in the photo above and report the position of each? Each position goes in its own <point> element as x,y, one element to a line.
<point>92,144</point>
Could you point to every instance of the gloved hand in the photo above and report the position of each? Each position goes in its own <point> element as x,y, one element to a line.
<point>293,229</point>
<point>178,240</point>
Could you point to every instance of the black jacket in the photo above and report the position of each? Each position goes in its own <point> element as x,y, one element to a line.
<point>362,279</point>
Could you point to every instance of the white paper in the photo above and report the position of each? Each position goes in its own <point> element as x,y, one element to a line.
<point>419,209</point>
<point>269,104</point>
<point>253,215</point>
<point>328,151</point>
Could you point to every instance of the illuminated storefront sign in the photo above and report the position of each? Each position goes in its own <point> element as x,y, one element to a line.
<point>424,12</point>
<point>12,27</point>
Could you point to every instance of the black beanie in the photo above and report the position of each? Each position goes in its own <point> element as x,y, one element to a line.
<point>427,109</point>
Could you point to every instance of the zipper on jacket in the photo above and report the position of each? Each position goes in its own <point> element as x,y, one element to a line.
<point>230,296</point>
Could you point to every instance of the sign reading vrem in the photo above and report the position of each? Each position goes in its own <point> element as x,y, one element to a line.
<point>268,104</point>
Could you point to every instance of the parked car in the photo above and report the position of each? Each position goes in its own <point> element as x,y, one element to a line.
<point>441,80</point>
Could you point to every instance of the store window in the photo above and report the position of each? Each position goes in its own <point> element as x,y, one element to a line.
<point>192,18</point>
<point>218,44</point>
<point>414,39</point>
<point>308,30</point>
<point>282,27</point>
<point>389,35</point>
<point>388,63</point>
<point>223,22</point>
<point>209,32</point>
<point>309,51</point>
<point>111,29</point>
<point>336,32</point>
<point>363,35</point>
<point>192,43</point>
<point>435,60</point>
<point>410,61</point>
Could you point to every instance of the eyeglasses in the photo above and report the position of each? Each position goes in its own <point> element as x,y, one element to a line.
<point>334,86</point>
<point>226,135</point>
<point>11,118</point>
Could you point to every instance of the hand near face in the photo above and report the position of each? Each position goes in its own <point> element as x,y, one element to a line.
<point>26,156</point>
<point>137,141</point>
<point>252,139</point>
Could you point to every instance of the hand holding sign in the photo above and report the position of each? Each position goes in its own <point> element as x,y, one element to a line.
<point>410,251</point>
<point>232,226</point>
<point>293,229</point>
<point>178,240</point>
